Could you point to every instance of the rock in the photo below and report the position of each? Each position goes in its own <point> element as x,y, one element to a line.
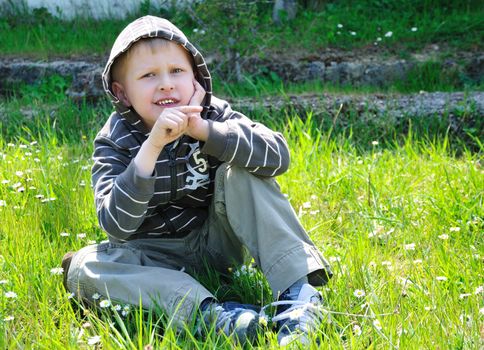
<point>87,85</point>
<point>350,72</point>
<point>475,69</point>
<point>381,74</point>
<point>388,106</point>
<point>25,71</point>
<point>315,70</point>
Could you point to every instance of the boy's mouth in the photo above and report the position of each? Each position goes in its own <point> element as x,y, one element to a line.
<point>166,102</point>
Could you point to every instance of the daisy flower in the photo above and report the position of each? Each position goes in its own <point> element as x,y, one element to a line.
<point>10,295</point>
<point>93,340</point>
<point>377,325</point>
<point>410,246</point>
<point>105,303</point>
<point>57,271</point>
<point>357,330</point>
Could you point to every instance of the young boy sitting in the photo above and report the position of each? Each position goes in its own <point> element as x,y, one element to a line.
<point>181,179</point>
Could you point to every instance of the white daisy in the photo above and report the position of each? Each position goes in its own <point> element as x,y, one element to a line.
<point>93,340</point>
<point>377,325</point>
<point>57,271</point>
<point>105,303</point>
<point>10,295</point>
<point>410,246</point>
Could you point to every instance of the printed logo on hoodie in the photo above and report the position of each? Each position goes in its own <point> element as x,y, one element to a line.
<point>197,167</point>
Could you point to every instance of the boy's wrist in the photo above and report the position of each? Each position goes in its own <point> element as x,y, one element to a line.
<point>153,147</point>
<point>146,158</point>
<point>202,131</point>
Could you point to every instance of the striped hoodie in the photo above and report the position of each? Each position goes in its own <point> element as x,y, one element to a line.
<point>175,199</point>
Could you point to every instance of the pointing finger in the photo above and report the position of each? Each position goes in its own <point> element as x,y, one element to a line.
<point>190,109</point>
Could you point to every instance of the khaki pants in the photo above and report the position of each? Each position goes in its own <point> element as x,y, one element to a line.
<point>249,217</point>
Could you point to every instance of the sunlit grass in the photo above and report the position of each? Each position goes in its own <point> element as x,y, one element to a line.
<point>400,222</point>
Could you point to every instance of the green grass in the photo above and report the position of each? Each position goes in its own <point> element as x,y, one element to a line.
<point>43,111</point>
<point>456,24</point>
<point>429,77</point>
<point>400,219</point>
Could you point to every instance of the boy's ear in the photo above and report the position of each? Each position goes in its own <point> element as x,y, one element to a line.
<point>120,93</point>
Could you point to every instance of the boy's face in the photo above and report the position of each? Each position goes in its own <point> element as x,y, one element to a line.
<point>153,77</point>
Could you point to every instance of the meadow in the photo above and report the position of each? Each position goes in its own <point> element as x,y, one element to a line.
<point>400,220</point>
<point>396,209</point>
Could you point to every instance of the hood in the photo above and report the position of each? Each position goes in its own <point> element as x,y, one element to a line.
<point>153,27</point>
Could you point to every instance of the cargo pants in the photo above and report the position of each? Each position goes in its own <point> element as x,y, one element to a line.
<point>249,218</point>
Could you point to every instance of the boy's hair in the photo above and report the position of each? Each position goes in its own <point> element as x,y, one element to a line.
<point>119,63</point>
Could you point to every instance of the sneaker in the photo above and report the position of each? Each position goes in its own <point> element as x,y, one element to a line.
<point>66,263</point>
<point>297,318</point>
<point>232,318</point>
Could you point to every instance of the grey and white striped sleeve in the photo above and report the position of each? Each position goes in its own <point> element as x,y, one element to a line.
<point>121,196</point>
<point>235,139</point>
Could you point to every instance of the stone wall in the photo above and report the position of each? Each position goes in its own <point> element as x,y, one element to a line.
<point>86,74</point>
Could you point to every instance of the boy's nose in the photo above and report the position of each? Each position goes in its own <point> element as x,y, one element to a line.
<point>165,84</point>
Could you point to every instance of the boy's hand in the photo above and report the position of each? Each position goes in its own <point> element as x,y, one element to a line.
<point>171,124</point>
<point>197,127</point>
<point>198,94</point>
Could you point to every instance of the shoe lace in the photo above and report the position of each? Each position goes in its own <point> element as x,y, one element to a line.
<point>223,318</point>
<point>302,314</point>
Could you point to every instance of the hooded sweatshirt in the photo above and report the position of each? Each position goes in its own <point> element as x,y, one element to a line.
<point>175,199</point>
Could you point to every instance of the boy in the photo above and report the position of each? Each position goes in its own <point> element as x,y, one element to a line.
<point>180,179</point>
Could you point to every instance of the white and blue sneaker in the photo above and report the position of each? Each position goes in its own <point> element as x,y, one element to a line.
<point>297,318</point>
<point>231,319</point>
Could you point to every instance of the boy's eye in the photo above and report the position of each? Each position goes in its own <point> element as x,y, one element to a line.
<point>148,75</point>
<point>177,70</point>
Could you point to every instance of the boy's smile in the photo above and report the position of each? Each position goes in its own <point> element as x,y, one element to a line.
<point>155,76</point>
